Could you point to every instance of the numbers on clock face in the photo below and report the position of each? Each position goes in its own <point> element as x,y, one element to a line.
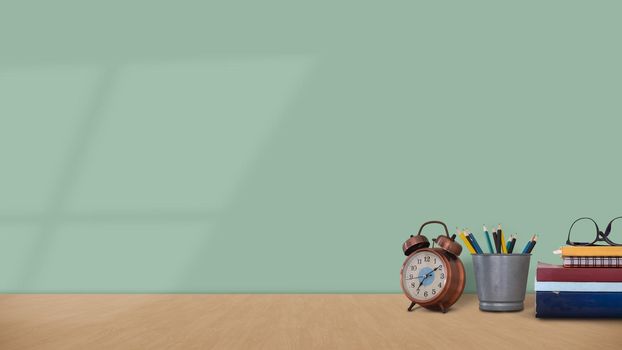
<point>424,275</point>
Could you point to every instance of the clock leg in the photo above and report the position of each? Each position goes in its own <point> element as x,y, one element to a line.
<point>443,309</point>
<point>410,308</point>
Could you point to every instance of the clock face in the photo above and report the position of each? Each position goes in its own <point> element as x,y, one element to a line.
<point>424,275</point>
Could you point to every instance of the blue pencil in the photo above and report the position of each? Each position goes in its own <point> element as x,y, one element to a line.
<point>478,249</point>
<point>470,239</point>
<point>528,246</point>
<point>488,240</point>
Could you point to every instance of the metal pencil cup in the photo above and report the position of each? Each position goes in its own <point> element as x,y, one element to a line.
<point>501,281</point>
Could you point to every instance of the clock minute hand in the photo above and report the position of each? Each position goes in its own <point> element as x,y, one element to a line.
<point>420,283</point>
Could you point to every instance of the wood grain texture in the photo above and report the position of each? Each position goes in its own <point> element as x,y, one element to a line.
<point>90,321</point>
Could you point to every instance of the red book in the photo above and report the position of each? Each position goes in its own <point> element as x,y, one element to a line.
<point>558,273</point>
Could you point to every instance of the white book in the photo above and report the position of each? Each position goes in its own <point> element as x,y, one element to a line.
<point>578,286</point>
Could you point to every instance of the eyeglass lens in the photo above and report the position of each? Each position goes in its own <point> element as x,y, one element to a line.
<point>583,231</point>
<point>615,234</point>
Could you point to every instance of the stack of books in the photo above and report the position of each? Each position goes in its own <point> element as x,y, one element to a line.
<point>588,284</point>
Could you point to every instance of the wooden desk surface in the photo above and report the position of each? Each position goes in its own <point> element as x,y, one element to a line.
<point>87,321</point>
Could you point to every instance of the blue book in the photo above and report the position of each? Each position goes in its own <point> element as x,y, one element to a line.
<point>579,304</point>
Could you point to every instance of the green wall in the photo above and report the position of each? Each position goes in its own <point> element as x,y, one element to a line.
<point>281,147</point>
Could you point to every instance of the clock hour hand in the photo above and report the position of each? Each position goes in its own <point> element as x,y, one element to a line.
<point>429,273</point>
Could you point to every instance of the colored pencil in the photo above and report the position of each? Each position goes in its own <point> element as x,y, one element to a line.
<point>470,239</point>
<point>512,244</point>
<point>502,238</point>
<point>478,249</point>
<point>488,240</point>
<point>528,245</point>
<point>495,235</point>
<point>466,242</point>
<point>533,244</point>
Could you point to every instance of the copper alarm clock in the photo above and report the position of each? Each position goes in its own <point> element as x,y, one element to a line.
<point>434,278</point>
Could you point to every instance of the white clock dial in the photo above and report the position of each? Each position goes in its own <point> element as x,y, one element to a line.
<point>424,275</point>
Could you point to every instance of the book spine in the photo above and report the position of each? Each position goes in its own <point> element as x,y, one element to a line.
<point>578,304</point>
<point>591,251</point>
<point>541,286</point>
<point>578,274</point>
<point>592,261</point>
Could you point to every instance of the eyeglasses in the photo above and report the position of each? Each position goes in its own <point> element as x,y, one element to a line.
<point>599,237</point>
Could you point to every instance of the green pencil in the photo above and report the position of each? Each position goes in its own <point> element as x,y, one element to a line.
<point>488,240</point>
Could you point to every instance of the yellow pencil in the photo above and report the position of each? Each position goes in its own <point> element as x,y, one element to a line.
<point>467,243</point>
<point>504,249</point>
